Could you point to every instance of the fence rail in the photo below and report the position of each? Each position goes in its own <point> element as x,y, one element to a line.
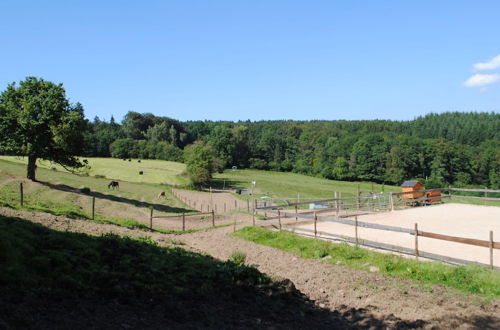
<point>386,247</point>
<point>415,232</point>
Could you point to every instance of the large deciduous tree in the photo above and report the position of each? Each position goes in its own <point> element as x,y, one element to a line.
<point>38,121</point>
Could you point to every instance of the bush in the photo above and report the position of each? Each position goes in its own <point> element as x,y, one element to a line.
<point>238,258</point>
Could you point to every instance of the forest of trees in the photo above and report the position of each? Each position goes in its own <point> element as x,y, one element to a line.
<point>439,149</point>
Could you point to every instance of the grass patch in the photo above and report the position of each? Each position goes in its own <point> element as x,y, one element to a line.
<point>288,185</point>
<point>65,187</point>
<point>63,264</point>
<point>155,171</point>
<point>470,279</point>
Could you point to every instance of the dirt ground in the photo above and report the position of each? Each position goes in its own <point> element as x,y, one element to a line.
<point>221,202</point>
<point>461,220</point>
<point>335,288</point>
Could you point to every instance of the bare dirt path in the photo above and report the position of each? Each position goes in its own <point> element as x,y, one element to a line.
<point>221,202</point>
<point>364,295</point>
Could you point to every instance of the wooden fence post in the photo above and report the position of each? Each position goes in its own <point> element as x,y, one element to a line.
<point>416,240</point>
<point>296,218</point>
<point>336,204</point>
<point>248,205</point>
<point>224,207</point>
<point>491,249</point>
<point>151,219</point>
<point>279,218</point>
<point>234,226</point>
<point>253,218</point>
<point>315,220</point>
<point>235,206</point>
<point>213,218</point>
<point>93,207</point>
<point>216,207</point>
<point>357,199</point>
<point>356,229</point>
<point>391,201</point>
<point>183,221</point>
<point>340,202</point>
<point>22,193</point>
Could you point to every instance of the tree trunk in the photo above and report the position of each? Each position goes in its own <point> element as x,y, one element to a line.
<point>31,168</point>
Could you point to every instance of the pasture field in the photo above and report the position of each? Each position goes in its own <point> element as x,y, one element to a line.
<point>288,185</point>
<point>292,185</point>
<point>61,190</point>
<point>155,171</point>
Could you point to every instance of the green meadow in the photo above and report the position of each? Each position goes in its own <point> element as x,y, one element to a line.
<point>291,185</point>
<point>70,194</point>
<point>154,171</point>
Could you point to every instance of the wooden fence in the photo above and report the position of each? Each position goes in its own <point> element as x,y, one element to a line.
<point>415,232</point>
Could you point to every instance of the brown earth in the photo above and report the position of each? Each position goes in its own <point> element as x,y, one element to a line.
<point>354,299</point>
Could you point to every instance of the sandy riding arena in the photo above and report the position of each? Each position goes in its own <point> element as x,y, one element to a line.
<point>460,220</point>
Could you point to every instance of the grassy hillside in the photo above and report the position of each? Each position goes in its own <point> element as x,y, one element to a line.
<point>58,190</point>
<point>155,171</point>
<point>65,280</point>
<point>288,185</point>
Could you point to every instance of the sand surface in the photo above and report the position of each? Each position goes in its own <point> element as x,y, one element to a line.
<point>461,220</point>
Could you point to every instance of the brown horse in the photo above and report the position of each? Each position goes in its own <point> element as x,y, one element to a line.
<point>162,194</point>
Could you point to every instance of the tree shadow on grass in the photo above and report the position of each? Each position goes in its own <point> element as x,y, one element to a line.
<point>99,195</point>
<point>67,280</point>
<point>219,183</point>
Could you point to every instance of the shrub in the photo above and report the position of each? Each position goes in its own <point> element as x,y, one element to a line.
<point>238,258</point>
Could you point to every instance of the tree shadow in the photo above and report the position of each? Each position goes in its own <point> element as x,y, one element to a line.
<point>113,198</point>
<point>486,322</point>
<point>73,280</point>
<point>219,183</point>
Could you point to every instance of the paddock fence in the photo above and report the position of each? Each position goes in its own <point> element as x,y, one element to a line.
<point>290,221</point>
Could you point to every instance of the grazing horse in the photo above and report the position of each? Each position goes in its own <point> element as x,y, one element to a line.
<point>114,185</point>
<point>162,194</point>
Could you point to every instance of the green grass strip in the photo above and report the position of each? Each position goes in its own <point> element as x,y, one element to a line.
<point>470,278</point>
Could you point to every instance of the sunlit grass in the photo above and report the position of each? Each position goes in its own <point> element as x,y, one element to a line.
<point>471,279</point>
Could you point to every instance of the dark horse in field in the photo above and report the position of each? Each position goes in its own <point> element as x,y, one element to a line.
<point>114,185</point>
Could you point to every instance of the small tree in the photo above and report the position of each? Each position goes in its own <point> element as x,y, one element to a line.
<point>200,162</point>
<point>37,121</point>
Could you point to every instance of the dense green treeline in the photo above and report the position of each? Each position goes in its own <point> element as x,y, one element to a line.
<point>450,148</point>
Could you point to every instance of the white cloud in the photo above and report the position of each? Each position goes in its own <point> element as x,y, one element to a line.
<point>479,80</point>
<point>490,65</point>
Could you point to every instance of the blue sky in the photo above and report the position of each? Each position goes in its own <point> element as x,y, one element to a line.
<point>239,60</point>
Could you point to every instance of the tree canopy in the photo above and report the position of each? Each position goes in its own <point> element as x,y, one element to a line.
<point>38,121</point>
